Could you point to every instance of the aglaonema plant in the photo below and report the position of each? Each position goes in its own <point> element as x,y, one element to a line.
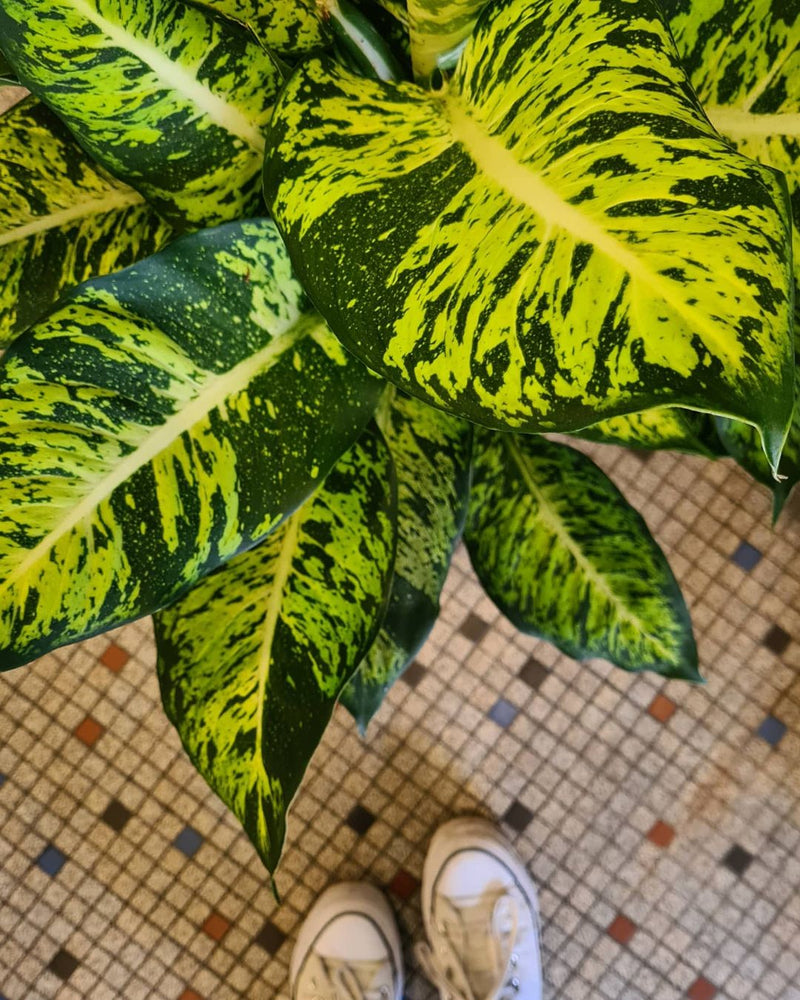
<point>292,297</point>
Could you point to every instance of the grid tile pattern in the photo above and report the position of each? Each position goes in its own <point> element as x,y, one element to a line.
<point>661,821</point>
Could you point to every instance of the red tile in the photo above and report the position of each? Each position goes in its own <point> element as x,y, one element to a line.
<point>661,708</point>
<point>403,884</point>
<point>215,926</point>
<point>701,989</point>
<point>622,929</point>
<point>89,731</point>
<point>662,834</point>
<point>189,995</point>
<point>114,658</point>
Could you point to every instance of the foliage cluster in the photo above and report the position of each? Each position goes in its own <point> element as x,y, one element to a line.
<point>292,297</point>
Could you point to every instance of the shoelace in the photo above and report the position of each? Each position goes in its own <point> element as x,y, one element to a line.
<point>343,984</point>
<point>446,970</point>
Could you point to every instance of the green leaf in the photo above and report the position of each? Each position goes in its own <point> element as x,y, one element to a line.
<point>290,28</point>
<point>7,74</point>
<point>61,219</point>
<point>668,427</point>
<point>743,58</point>
<point>431,453</point>
<point>251,660</point>
<point>167,97</point>
<point>742,444</point>
<point>161,420</point>
<point>565,557</point>
<point>437,27</point>
<point>556,237</point>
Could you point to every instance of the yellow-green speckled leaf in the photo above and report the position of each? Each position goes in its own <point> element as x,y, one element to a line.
<point>431,453</point>
<point>743,58</point>
<point>437,27</point>
<point>169,98</point>
<point>251,660</point>
<point>158,422</point>
<point>291,28</point>
<point>565,557</point>
<point>666,427</point>
<point>556,237</point>
<point>61,219</point>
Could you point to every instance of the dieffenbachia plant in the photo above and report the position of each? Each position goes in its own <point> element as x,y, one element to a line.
<point>294,294</point>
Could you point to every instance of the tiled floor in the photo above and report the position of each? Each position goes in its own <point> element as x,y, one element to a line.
<point>660,821</point>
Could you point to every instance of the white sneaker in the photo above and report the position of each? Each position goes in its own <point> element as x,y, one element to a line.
<point>481,916</point>
<point>348,948</point>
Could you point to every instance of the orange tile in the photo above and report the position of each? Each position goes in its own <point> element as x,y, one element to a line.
<point>114,658</point>
<point>622,929</point>
<point>189,995</point>
<point>661,834</point>
<point>701,989</point>
<point>215,926</point>
<point>403,884</point>
<point>661,708</point>
<point>89,731</point>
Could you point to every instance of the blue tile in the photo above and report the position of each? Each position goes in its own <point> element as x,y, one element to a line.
<point>188,841</point>
<point>772,730</point>
<point>51,860</point>
<point>503,713</point>
<point>746,556</point>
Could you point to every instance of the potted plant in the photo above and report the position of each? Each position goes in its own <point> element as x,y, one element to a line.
<point>294,296</point>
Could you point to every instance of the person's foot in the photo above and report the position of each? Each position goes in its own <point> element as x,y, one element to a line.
<point>348,948</point>
<point>481,916</point>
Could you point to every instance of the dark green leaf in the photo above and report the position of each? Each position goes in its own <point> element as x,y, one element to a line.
<point>251,660</point>
<point>431,452</point>
<point>565,557</point>
<point>160,421</point>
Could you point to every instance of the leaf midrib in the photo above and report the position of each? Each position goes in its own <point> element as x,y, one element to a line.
<point>742,123</point>
<point>554,521</point>
<point>498,163</point>
<point>280,578</point>
<point>177,78</point>
<point>116,200</point>
<point>215,392</point>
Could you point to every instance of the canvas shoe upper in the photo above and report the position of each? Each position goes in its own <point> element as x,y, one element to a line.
<point>481,917</point>
<point>348,948</point>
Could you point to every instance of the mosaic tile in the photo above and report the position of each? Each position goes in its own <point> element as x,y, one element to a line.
<point>772,730</point>
<point>51,861</point>
<point>359,819</point>
<point>623,793</point>
<point>503,713</point>
<point>738,860</point>
<point>474,627</point>
<point>701,989</point>
<point>746,556</point>
<point>517,816</point>
<point>777,640</point>
<point>270,937</point>
<point>621,929</point>
<point>89,731</point>
<point>413,674</point>
<point>63,964</point>
<point>188,841</point>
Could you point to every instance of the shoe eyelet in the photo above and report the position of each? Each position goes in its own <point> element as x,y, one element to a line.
<point>515,984</point>
<point>514,958</point>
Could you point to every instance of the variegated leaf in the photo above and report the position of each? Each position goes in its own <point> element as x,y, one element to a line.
<point>161,420</point>
<point>61,219</point>
<point>556,237</point>
<point>437,27</point>
<point>290,28</point>
<point>431,453</point>
<point>565,557</point>
<point>743,57</point>
<point>742,445</point>
<point>667,427</point>
<point>251,660</point>
<point>167,97</point>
